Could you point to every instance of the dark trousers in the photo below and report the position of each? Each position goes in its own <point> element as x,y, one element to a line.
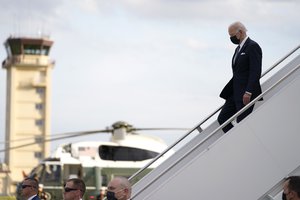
<point>229,109</point>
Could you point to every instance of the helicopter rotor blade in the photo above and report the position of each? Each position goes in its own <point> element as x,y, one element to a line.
<point>55,137</point>
<point>62,136</point>
<point>159,129</point>
<point>78,133</point>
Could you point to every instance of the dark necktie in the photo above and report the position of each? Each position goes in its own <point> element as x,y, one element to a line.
<point>236,53</point>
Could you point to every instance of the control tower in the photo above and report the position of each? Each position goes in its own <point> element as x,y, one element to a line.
<point>28,102</point>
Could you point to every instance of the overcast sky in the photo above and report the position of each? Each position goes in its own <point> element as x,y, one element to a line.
<point>152,63</point>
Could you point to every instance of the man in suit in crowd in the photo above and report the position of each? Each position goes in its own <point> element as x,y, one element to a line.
<point>291,188</point>
<point>119,188</point>
<point>30,189</point>
<point>74,189</point>
<point>244,85</point>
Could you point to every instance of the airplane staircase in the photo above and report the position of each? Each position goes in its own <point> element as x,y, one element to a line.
<point>248,162</point>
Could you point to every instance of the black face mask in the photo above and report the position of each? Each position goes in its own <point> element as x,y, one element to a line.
<point>234,39</point>
<point>110,196</point>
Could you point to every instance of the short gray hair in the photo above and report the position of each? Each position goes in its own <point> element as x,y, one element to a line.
<point>239,26</point>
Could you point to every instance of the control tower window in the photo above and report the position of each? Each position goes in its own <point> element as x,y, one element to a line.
<point>39,122</point>
<point>15,49</point>
<point>8,50</point>
<point>39,106</point>
<point>38,154</point>
<point>45,50</point>
<point>125,153</point>
<point>40,91</point>
<point>32,49</point>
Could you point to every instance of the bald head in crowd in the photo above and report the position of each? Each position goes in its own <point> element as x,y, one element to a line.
<point>119,188</point>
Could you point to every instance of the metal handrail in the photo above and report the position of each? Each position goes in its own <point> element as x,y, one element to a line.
<point>219,128</point>
<point>281,60</point>
<point>198,126</point>
<point>173,145</point>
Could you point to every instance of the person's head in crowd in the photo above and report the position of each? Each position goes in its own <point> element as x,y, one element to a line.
<point>74,189</point>
<point>119,188</point>
<point>291,188</point>
<point>30,187</point>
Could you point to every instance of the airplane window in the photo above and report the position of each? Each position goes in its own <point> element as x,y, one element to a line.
<point>120,153</point>
<point>104,180</point>
<point>37,172</point>
<point>89,176</point>
<point>72,171</point>
<point>52,173</point>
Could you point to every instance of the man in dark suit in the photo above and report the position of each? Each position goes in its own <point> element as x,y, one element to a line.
<point>244,85</point>
<point>74,189</point>
<point>119,188</point>
<point>30,188</point>
<point>291,188</point>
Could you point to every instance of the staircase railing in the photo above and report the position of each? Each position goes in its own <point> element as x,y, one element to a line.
<point>198,126</point>
<point>219,128</point>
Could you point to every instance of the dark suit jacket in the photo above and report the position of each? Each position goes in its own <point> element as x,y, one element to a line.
<point>36,198</point>
<point>246,73</point>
